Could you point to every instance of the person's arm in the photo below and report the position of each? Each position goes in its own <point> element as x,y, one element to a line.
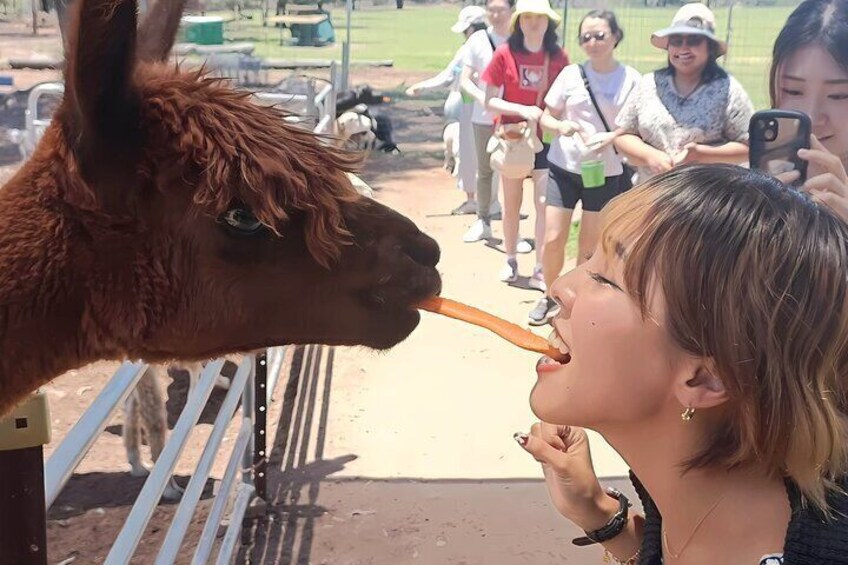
<point>552,121</point>
<point>467,85</point>
<point>641,154</point>
<point>501,106</point>
<point>441,80</point>
<point>628,143</point>
<point>732,152</point>
<point>573,486</point>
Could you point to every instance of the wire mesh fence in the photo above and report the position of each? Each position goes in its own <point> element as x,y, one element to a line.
<point>750,29</point>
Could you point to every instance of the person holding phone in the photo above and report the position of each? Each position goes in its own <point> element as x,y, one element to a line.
<point>809,73</point>
<point>703,344</point>
<point>692,111</point>
<point>581,121</point>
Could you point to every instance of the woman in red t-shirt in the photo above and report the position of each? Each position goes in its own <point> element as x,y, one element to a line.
<point>515,93</point>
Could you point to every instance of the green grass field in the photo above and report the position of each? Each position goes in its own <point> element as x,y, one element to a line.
<point>418,38</point>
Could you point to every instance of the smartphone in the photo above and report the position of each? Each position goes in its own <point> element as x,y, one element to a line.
<point>775,136</point>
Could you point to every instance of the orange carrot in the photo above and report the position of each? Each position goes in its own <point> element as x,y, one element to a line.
<point>511,332</point>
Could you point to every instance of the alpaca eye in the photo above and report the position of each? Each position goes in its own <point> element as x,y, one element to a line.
<point>242,220</point>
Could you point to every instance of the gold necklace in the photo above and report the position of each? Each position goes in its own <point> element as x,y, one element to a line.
<point>692,534</point>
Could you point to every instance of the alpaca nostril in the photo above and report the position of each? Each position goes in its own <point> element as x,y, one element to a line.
<point>424,250</point>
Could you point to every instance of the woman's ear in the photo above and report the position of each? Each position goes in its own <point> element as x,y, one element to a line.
<point>700,386</point>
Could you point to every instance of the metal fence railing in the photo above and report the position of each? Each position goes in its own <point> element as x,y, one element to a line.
<point>252,387</point>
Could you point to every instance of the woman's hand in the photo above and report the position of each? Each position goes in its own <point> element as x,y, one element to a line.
<point>659,162</point>
<point>531,113</point>
<point>600,140</point>
<point>691,153</point>
<point>566,462</point>
<point>830,187</point>
<point>567,128</point>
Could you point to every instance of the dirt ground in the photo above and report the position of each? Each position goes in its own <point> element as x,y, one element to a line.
<point>396,457</point>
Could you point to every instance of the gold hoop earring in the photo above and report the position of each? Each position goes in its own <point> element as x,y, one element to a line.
<point>687,414</point>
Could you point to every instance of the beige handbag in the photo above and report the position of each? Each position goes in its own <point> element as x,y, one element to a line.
<point>513,147</point>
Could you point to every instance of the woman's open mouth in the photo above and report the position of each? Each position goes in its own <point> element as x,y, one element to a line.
<point>548,363</point>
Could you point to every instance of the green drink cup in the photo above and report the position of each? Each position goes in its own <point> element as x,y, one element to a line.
<point>592,173</point>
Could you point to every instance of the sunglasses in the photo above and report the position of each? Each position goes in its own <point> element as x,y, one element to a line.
<point>589,36</point>
<point>689,40</point>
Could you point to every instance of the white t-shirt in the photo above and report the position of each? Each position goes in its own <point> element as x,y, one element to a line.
<point>478,55</point>
<point>569,96</point>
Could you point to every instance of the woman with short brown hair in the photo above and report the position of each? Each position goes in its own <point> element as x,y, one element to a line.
<point>708,344</point>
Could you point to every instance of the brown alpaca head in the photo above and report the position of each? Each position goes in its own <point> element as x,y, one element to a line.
<point>212,224</point>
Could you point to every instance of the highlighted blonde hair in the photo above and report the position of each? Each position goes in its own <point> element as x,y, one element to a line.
<point>754,278</point>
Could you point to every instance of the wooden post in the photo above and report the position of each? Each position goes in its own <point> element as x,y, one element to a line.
<point>34,5</point>
<point>23,516</point>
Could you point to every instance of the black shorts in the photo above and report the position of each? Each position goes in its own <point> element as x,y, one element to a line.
<point>565,189</point>
<point>542,157</point>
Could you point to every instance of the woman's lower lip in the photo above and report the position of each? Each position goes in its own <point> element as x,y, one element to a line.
<point>546,364</point>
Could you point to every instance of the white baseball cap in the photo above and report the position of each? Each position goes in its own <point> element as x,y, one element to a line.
<point>469,16</point>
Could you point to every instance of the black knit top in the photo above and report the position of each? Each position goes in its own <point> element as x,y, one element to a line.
<point>810,540</point>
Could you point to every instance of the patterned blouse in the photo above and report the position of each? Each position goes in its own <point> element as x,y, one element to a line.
<point>715,113</point>
<point>773,559</point>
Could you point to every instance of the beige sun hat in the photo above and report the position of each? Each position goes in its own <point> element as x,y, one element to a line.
<point>691,19</point>
<point>469,16</point>
<point>542,7</point>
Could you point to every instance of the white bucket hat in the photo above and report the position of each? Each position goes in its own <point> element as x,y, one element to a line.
<point>469,16</point>
<point>691,19</point>
<point>542,7</point>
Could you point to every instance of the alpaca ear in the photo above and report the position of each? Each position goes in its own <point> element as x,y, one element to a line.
<point>100,95</point>
<point>158,30</point>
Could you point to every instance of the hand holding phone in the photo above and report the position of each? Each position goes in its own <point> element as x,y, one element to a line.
<point>775,136</point>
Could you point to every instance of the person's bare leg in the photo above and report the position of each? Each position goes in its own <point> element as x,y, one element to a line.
<point>557,226</point>
<point>513,190</point>
<point>590,231</point>
<point>540,188</point>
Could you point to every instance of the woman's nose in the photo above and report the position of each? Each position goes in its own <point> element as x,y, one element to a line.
<point>811,107</point>
<point>564,292</point>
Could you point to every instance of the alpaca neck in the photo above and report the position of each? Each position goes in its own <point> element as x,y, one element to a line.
<point>41,299</point>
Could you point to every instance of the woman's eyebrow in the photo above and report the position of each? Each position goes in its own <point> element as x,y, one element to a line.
<point>829,81</point>
<point>620,251</point>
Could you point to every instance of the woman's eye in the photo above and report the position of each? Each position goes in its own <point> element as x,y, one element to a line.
<point>840,96</point>
<point>242,221</point>
<point>791,92</point>
<point>600,279</point>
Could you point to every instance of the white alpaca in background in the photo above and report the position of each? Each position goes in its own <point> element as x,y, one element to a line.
<point>144,412</point>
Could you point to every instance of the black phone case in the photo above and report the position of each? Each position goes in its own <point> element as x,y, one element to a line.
<point>765,153</point>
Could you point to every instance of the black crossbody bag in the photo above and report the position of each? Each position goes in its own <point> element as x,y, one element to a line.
<point>627,170</point>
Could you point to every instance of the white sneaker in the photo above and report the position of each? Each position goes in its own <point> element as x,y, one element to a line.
<point>509,272</point>
<point>537,281</point>
<point>523,246</point>
<point>478,231</point>
<point>467,207</point>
